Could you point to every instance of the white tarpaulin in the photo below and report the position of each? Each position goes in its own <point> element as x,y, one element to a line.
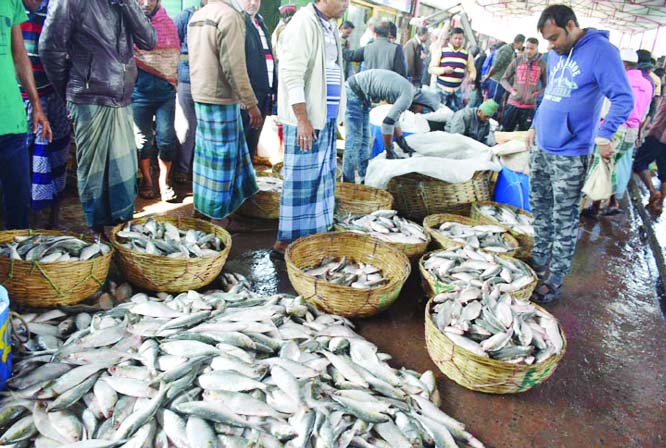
<point>452,158</point>
<point>409,121</point>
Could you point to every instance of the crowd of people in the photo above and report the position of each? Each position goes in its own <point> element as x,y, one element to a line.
<point>129,86</point>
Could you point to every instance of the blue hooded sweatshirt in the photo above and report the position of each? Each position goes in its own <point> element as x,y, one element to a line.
<point>567,121</point>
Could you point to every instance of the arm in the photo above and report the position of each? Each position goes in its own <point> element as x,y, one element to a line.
<point>471,69</point>
<point>354,55</point>
<point>507,78</point>
<point>181,25</point>
<point>399,65</point>
<point>231,54</point>
<point>400,105</point>
<point>139,25</point>
<point>612,79</point>
<point>24,74</point>
<point>457,124</point>
<point>410,58</point>
<point>435,58</point>
<point>294,59</point>
<point>54,42</point>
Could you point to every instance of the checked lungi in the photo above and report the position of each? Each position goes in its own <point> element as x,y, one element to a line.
<point>222,173</point>
<point>107,162</point>
<point>308,190</point>
<point>49,159</point>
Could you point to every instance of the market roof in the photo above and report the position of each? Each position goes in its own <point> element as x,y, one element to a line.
<point>622,15</point>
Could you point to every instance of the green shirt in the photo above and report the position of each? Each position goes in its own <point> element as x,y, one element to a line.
<point>502,59</point>
<point>12,112</point>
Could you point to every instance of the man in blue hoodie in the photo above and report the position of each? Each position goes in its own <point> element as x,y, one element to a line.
<point>583,68</point>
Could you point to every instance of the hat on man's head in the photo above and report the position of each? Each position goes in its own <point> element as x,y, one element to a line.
<point>489,107</point>
<point>429,100</point>
<point>629,55</point>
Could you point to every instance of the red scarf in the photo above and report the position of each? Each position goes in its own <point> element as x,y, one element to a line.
<point>162,61</point>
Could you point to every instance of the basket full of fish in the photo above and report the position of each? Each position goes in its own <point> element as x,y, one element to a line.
<point>386,225</point>
<point>172,254</point>
<point>494,344</point>
<point>465,271</point>
<point>345,273</point>
<point>518,221</point>
<point>44,268</point>
<point>219,369</point>
<point>449,230</point>
<point>357,199</point>
<point>266,203</point>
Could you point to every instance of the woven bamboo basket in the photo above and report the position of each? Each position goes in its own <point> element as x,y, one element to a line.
<point>413,251</point>
<point>277,170</point>
<point>417,196</point>
<point>432,286</point>
<point>343,300</point>
<point>263,205</point>
<point>356,199</point>
<point>481,374</point>
<point>432,222</point>
<point>163,274</point>
<point>526,242</point>
<point>37,284</point>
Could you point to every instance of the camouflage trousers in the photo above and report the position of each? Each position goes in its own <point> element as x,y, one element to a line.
<point>555,194</point>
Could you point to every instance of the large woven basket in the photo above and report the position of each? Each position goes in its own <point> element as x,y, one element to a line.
<point>37,284</point>
<point>526,242</point>
<point>432,222</point>
<point>484,374</point>
<point>263,205</point>
<point>417,195</point>
<point>413,251</point>
<point>343,300</point>
<point>356,199</point>
<point>432,286</point>
<point>163,274</point>
<point>277,170</point>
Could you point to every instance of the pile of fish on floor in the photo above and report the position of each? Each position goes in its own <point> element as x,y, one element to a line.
<point>486,237</point>
<point>269,184</point>
<point>220,369</point>
<point>466,271</point>
<point>346,272</point>
<point>497,326</point>
<point>385,225</point>
<point>518,222</point>
<point>167,240</point>
<point>52,248</point>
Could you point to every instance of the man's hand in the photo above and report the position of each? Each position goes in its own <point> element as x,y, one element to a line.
<point>514,92</point>
<point>605,151</point>
<point>255,117</point>
<point>39,120</point>
<point>305,135</point>
<point>447,70</point>
<point>529,142</point>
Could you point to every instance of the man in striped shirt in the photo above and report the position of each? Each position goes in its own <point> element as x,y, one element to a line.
<point>48,159</point>
<point>451,64</point>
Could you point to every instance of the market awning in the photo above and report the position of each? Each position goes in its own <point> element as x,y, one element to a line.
<point>621,15</point>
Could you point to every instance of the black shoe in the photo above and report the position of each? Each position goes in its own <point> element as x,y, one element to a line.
<point>391,155</point>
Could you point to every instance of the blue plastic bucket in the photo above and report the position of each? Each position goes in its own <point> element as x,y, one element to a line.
<point>5,341</point>
<point>513,188</point>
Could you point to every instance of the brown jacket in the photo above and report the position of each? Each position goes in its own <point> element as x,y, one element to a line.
<point>216,39</point>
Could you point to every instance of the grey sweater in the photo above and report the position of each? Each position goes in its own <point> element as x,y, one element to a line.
<point>375,86</point>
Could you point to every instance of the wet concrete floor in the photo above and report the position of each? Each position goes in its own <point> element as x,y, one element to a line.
<point>608,391</point>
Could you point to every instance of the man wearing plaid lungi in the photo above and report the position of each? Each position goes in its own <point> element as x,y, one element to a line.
<point>310,100</point>
<point>222,173</point>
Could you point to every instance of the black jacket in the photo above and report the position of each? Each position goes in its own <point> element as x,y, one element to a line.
<point>87,49</point>
<point>255,60</point>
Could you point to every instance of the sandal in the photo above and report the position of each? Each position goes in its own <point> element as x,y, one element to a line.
<point>590,212</point>
<point>147,191</point>
<point>168,195</point>
<point>546,292</point>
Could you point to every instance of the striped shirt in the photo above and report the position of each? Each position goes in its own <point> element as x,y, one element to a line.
<point>333,70</point>
<point>457,59</point>
<point>31,31</point>
<point>270,64</point>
